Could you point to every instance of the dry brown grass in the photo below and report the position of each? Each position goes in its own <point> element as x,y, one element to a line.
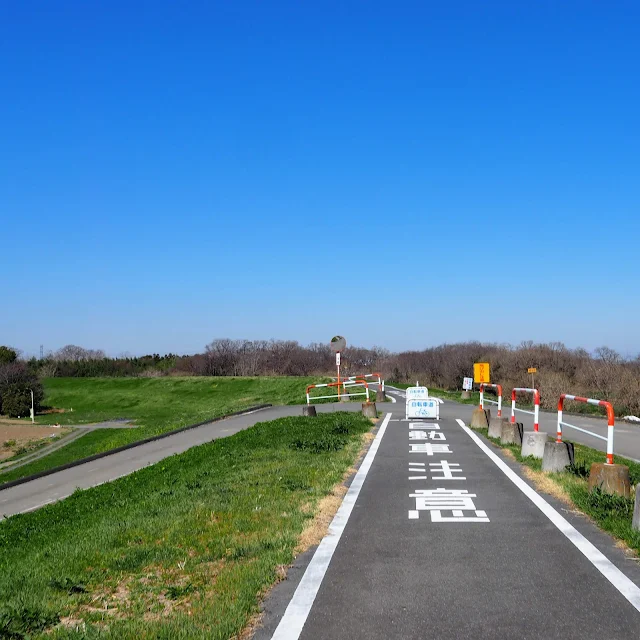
<point>318,526</point>
<point>547,484</point>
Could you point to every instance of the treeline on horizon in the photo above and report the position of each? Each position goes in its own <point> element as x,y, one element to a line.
<point>603,374</point>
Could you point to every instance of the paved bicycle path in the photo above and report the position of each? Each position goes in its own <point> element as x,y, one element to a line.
<point>41,491</point>
<point>488,564</point>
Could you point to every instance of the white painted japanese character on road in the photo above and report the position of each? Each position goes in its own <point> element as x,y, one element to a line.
<point>426,435</point>
<point>456,501</point>
<point>429,448</point>
<point>446,470</point>
<point>426,426</point>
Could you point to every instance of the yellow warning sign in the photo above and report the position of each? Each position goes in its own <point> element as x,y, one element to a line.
<point>481,372</point>
<point>532,370</point>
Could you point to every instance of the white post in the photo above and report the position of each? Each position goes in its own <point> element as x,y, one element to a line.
<point>32,412</point>
<point>559,427</point>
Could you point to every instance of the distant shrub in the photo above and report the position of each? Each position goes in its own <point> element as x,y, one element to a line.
<point>16,384</point>
<point>7,355</point>
<point>151,373</point>
<point>16,401</point>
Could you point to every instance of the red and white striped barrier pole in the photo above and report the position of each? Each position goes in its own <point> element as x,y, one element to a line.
<point>536,405</point>
<point>362,376</point>
<point>611,419</point>
<point>498,387</point>
<point>359,383</point>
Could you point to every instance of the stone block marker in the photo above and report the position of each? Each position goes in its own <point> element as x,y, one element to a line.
<point>557,456</point>
<point>635,524</point>
<point>380,397</point>
<point>495,427</point>
<point>466,395</point>
<point>309,410</point>
<point>610,478</point>
<point>533,444</point>
<point>369,410</point>
<point>480,418</point>
<point>511,433</point>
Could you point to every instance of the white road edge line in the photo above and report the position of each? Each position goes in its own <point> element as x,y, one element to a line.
<point>625,586</point>
<point>295,616</point>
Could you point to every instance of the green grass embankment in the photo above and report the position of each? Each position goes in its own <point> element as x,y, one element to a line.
<point>156,405</point>
<point>181,549</point>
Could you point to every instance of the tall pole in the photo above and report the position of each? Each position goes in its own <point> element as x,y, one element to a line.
<point>32,412</point>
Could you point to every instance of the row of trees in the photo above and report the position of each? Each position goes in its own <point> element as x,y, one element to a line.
<point>602,374</point>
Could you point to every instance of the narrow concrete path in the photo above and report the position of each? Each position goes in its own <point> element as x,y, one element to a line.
<point>36,493</point>
<point>78,432</point>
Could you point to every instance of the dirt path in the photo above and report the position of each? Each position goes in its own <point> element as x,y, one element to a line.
<point>17,434</point>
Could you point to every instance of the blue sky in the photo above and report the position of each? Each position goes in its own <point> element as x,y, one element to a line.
<point>403,174</point>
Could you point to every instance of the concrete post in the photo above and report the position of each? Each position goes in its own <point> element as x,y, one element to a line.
<point>511,433</point>
<point>309,410</point>
<point>610,478</point>
<point>533,444</point>
<point>557,456</point>
<point>369,410</point>
<point>380,397</point>
<point>635,523</point>
<point>480,419</point>
<point>495,427</point>
<point>466,395</point>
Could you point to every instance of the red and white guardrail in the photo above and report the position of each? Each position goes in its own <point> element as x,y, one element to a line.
<point>536,405</point>
<point>611,419</point>
<point>354,383</point>
<point>498,387</point>
<point>369,375</point>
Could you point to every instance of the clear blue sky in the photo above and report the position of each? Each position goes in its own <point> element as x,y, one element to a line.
<point>401,173</point>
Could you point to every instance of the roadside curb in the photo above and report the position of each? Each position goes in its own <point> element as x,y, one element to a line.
<point>125,447</point>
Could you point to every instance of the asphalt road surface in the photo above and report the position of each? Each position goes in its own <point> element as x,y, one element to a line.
<point>440,537</point>
<point>36,493</point>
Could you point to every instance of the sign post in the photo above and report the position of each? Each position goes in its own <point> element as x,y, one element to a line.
<point>338,343</point>
<point>481,372</point>
<point>467,385</point>
<point>532,371</point>
<point>420,405</point>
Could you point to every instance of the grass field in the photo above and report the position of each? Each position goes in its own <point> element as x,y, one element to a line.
<point>157,405</point>
<point>182,549</point>
<point>612,513</point>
